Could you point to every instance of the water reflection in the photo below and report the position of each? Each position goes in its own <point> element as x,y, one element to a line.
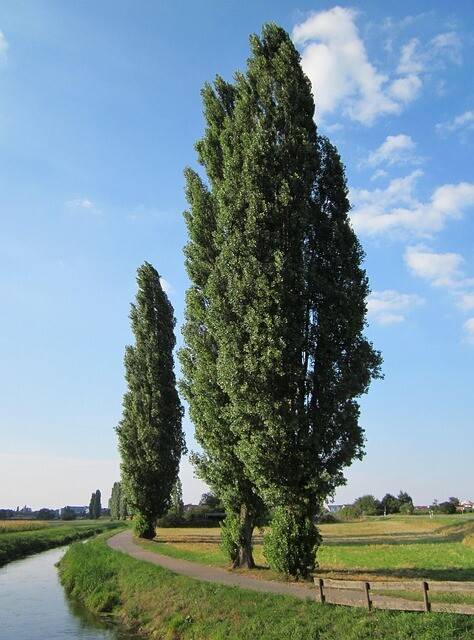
<point>34,606</point>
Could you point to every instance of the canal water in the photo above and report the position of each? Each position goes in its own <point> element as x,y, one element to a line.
<point>34,606</point>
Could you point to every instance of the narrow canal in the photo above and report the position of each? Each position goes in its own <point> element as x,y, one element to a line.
<point>34,606</point>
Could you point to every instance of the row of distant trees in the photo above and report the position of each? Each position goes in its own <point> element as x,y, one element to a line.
<point>66,513</point>
<point>368,505</point>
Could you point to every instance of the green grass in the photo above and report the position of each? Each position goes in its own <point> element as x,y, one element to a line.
<point>18,544</point>
<point>399,548</point>
<point>173,607</point>
<point>392,548</point>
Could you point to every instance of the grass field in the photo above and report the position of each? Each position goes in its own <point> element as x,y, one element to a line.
<point>391,548</point>
<point>173,607</point>
<point>394,548</point>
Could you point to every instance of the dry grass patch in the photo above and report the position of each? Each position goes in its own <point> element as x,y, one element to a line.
<point>13,526</point>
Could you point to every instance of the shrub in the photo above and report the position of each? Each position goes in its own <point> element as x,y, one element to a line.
<point>291,545</point>
<point>144,526</point>
<point>407,509</point>
<point>231,535</point>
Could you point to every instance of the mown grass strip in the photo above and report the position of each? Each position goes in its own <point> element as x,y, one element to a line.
<point>23,543</point>
<point>174,607</point>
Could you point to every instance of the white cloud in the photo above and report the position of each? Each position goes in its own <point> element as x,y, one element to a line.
<point>468,327</point>
<point>460,124</point>
<point>442,270</point>
<point>394,150</point>
<point>405,89</point>
<point>389,307</point>
<point>84,203</point>
<point>466,300</point>
<point>396,211</point>
<point>439,269</point>
<point>411,59</point>
<point>446,45</point>
<point>416,59</point>
<point>380,173</point>
<point>335,59</point>
<point>165,285</point>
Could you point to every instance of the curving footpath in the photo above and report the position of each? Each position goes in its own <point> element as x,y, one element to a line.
<point>124,542</point>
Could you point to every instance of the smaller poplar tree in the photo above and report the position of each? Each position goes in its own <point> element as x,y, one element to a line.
<point>151,439</point>
<point>95,506</point>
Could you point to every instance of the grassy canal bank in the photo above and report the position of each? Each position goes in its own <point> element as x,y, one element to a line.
<point>21,539</point>
<point>165,605</point>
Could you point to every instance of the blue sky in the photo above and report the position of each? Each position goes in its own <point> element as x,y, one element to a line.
<point>100,108</point>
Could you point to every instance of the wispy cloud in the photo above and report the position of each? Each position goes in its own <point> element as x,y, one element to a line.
<point>395,150</point>
<point>335,59</point>
<point>84,204</point>
<point>468,328</point>
<point>442,270</point>
<point>3,48</point>
<point>396,211</point>
<point>460,124</point>
<point>389,307</point>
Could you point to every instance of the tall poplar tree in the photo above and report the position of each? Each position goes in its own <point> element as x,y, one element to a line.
<point>274,347</point>
<point>151,439</point>
<point>95,505</point>
<point>219,464</point>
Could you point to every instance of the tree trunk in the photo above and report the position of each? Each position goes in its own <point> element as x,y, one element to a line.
<point>244,556</point>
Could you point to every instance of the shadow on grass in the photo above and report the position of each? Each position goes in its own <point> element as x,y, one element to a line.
<point>385,538</point>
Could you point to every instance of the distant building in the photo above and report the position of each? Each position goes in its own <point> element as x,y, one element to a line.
<point>77,510</point>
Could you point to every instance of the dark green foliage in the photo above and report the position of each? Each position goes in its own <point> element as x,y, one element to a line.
<point>368,506</point>
<point>95,506</point>
<point>446,507</point>
<point>45,514</point>
<point>177,505</point>
<point>291,545</point>
<point>144,526</point>
<point>231,536</point>
<point>118,503</point>
<point>405,498</point>
<point>68,514</point>
<point>114,502</point>
<point>390,504</point>
<point>212,501</point>
<point>274,355</point>
<point>174,517</point>
<point>150,435</point>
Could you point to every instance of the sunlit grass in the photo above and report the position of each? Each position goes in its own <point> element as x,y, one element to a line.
<point>391,548</point>
<point>171,606</point>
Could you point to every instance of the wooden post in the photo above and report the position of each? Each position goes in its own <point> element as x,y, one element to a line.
<point>321,591</point>
<point>425,596</point>
<point>367,595</point>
